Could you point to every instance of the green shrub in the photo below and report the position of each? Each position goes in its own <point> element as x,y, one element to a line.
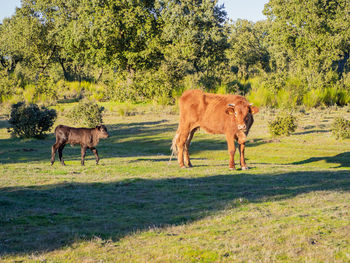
<point>71,91</point>
<point>126,110</point>
<point>313,98</point>
<point>341,128</point>
<point>30,121</point>
<point>87,114</point>
<point>45,89</point>
<point>8,85</point>
<point>29,94</point>
<point>284,124</point>
<point>286,99</point>
<point>262,97</point>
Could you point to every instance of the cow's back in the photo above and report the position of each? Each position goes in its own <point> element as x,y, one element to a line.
<point>191,106</point>
<point>207,110</point>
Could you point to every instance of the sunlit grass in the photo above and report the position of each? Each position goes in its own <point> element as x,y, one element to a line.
<point>291,206</point>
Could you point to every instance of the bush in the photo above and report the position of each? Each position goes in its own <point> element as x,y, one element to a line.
<point>30,121</point>
<point>262,97</point>
<point>283,125</point>
<point>313,98</point>
<point>8,86</point>
<point>327,96</point>
<point>341,128</point>
<point>87,114</point>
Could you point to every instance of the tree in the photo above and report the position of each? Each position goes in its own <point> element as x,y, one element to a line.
<point>23,38</point>
<point>194,35</point>
<point>309,37</point>
<point>247,50</point>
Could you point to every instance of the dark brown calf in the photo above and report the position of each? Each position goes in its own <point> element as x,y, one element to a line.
<point>88,138</point>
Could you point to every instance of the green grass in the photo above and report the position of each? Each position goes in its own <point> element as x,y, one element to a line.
<point>291,206</point>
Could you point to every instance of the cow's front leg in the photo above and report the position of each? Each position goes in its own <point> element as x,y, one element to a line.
<point>242,161</point>
<point>83,152</point>
<point>231,150</point>
<point>94,150</point>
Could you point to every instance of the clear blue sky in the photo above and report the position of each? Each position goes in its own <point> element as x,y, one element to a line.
<point>8,8</point>
<point>245,9</point>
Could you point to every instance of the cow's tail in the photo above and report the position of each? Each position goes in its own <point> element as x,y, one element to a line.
<point>173,147</point>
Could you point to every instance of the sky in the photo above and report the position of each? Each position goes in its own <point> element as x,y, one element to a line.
<point>8,8</point>
<point>244,9</point>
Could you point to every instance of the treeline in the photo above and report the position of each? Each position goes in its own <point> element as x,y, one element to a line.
<point>141,50</point>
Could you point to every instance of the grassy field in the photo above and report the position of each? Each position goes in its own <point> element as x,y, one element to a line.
<point>293,205</point>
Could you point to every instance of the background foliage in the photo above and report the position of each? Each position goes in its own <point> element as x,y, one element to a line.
<point>153,50</point>
<point>30,121</point>
<point>87,114</point>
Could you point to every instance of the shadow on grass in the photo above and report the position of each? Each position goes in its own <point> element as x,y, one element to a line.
<point>126,140</point>
<point>311,131</point>
<point>43,218</point>
<point>4,123</point>
<point>343,159</point>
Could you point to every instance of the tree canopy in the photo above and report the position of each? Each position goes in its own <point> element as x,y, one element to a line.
<point>164,43</point>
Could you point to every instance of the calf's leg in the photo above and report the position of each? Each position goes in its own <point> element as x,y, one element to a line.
<point>53,152</point>
<point>60,153</point>
<point>83,152</point>
<point>94,150</point>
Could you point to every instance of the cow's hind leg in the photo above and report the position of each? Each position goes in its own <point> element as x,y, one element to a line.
<point>187,146</point>
<point>54,148</point>
<point>60,153</point>
<point>94,150</point>
<point>180,143</point>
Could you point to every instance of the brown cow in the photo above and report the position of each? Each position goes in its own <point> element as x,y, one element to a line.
<point>231,115</point>
<point>86,137</point>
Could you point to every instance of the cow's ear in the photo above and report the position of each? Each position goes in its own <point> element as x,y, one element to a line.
<point>230,111</point>
<point>254,109</point>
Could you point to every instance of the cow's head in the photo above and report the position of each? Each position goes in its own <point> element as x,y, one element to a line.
<point>102,131</point>
<point>240,112</point>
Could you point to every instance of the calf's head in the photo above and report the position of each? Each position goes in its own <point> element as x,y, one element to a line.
<point>240,112</point>
<point>102,131</point>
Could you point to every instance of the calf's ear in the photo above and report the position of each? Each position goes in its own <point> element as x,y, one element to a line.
<point>254,109</point>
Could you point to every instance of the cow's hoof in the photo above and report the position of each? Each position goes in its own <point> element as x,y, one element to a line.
<point>232,168</point>
<point>245,168</point>
<point>183,167</point>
